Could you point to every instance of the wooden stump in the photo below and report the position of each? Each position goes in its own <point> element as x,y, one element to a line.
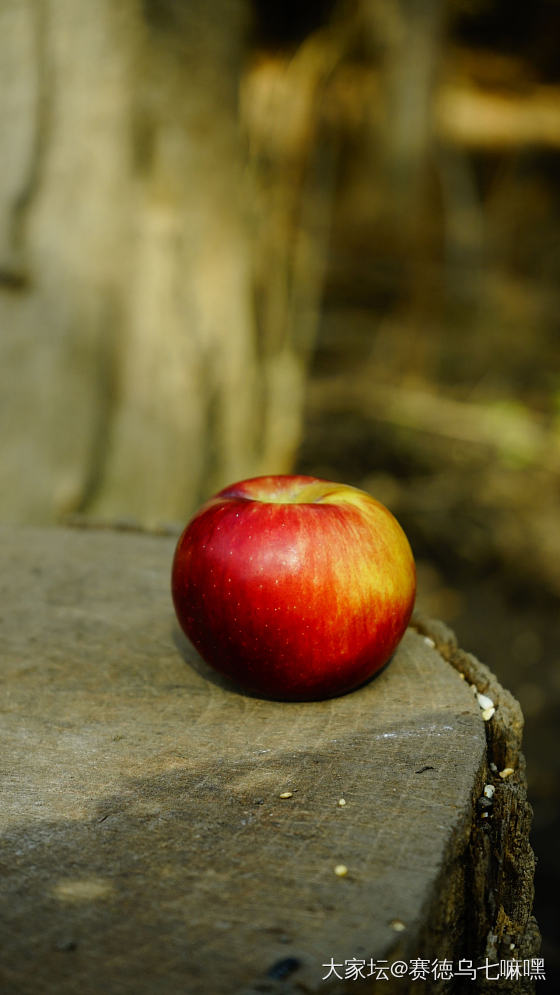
<point>163,832</point>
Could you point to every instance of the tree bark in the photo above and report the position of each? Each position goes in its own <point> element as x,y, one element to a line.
<point>133,373</point>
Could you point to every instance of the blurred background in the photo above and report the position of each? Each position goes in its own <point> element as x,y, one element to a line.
<point>253,236</point>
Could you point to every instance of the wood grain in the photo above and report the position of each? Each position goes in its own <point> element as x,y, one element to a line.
<point>145,844</point>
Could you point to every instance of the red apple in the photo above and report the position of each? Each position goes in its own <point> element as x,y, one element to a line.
<point>296,588</point>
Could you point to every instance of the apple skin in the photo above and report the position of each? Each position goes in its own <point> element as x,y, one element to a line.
<point>296,588</point>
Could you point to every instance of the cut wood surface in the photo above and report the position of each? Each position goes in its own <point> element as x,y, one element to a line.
<point>146,845</point>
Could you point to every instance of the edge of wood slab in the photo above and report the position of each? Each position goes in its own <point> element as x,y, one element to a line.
<point>493,877</point>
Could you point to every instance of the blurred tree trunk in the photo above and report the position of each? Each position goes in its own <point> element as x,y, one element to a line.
<point>131,375</point>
